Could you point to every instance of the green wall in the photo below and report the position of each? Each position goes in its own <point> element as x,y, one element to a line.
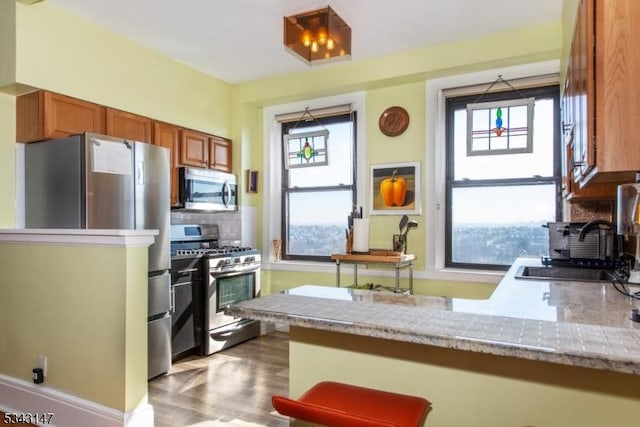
<point>7,42</point>
<point>408,147</point>
<point>7,161</point>
<point>82,307</point>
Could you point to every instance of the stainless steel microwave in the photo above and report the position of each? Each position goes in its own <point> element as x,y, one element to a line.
<point>207,190</point>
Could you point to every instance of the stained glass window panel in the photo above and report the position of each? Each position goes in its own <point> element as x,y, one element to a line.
<point>501,127</point>
<point>306,149</point>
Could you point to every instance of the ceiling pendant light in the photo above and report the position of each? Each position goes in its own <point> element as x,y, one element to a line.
<point>319,35</point>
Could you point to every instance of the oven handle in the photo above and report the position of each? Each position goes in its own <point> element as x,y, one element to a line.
<point>222,274</point>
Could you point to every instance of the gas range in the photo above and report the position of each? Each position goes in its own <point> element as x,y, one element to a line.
<point>229,274</point>
<point>201,241</point>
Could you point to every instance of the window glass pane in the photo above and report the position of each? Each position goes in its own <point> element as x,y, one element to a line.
<point>317,222</point>
<point>495,225</point>
<point>503,166</point>
<point>339,155</point>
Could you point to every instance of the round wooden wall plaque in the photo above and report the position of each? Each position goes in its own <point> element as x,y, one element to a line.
<point>393,121</point>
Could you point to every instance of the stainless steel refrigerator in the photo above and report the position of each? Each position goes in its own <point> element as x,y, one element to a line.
<point>101,182</point>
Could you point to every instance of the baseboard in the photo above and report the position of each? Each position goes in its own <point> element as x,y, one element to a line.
<point>282,327</point>
<point>22,397</point>
<point>268,327</point>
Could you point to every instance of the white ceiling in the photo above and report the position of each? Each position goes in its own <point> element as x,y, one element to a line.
<point>241,40</point>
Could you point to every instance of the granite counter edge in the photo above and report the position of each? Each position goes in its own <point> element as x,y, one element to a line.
<point>497,348</point>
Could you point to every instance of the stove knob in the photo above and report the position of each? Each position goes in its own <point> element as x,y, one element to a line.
<point>236,260</point>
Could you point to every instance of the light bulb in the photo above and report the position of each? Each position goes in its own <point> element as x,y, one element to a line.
<point>306,38</point>
<point>314,46</point>
<point>330,44</point>
<point>322,36</point>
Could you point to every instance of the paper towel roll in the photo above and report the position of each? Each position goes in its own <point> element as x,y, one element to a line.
<point>360,235</point>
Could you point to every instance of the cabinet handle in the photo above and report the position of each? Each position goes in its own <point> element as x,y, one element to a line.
<point>172,303</point>
<point>187,270</point>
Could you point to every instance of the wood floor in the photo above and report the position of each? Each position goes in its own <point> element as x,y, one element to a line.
<point>229,388</point>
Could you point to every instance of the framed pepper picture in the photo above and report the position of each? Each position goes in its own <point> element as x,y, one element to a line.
<point>395,189</point>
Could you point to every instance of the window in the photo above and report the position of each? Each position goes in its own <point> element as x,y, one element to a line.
<point>317,198</point>
<point>498,202</point>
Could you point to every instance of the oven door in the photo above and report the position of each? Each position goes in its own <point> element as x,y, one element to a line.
<point>227,289</point>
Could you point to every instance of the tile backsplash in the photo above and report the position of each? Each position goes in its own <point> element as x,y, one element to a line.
<point>589,210</point>
<point>229,223</point>
<point>239,228</point>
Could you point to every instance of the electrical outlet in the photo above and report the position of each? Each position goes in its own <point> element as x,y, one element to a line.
<point>42,364</point>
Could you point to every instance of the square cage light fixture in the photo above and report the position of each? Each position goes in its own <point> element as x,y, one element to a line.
<point>319,35</point>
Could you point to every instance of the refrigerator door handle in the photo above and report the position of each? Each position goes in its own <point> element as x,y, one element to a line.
<point>140,172</point>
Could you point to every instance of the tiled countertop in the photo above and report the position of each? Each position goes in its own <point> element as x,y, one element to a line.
<point>573,323</point>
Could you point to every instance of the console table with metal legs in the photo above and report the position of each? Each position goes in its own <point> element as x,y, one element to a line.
<point>398,261</point>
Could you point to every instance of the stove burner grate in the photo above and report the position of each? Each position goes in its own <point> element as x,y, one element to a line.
<point>212,252</point>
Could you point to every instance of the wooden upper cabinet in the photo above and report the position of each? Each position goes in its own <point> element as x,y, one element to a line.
<point>601,105</point>
<point>44,115</point>
<point>220,154</point>
<point>168,136</point>
<point>122,124</point>
<point>607,149</point>
<point>194,148</point>
<point>578,113</point>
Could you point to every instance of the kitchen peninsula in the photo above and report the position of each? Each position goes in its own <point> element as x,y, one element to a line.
<point>536,353</point>
<point>77,297</point>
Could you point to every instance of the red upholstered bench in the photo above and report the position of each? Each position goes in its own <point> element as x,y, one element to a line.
<point>343,405</point>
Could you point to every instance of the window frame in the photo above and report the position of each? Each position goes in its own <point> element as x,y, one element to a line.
<point>285,190</point>
<point>459,102</point>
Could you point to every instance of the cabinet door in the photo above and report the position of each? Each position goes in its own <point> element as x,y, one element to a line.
<point>584,91</point>
<point>194,148</point>
<point>128,126</point>
<point>183,328</point>
<point>617,99</point>
<point>168,136</point>
<point>46,115</point>
<point>220,154</point>
<point>579,113</point>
